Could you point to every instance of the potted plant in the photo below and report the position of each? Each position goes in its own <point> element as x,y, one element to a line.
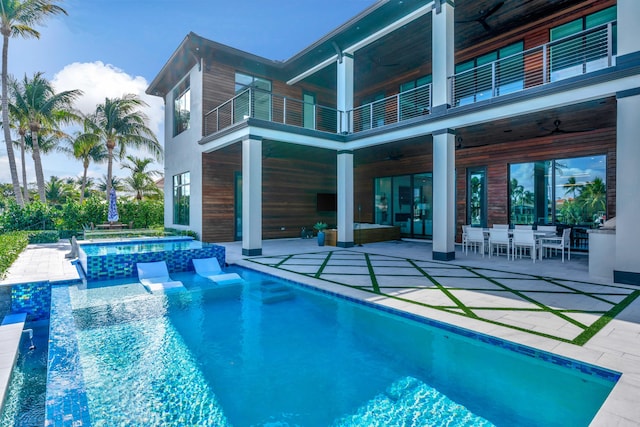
<point>320,226</point>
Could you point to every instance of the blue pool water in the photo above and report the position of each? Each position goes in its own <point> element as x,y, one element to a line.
<point>141,246</point>
<point>277,354</point>
<point>24,404</point>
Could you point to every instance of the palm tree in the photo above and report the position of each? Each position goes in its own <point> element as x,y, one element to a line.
<point>86,147</point>
<point>57,190</point>
<point>17,18</point>
<point>115,182</point>
<point>140,181</point>
<point>119,123</point>
<point>45,109</point>
<point>572,187</point>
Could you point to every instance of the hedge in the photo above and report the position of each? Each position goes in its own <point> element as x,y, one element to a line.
<point>11,245</point>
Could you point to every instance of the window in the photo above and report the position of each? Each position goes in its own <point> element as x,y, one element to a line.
<point>252,103</point>
<point>566,191</point>
<point>181,193</point>
<point>501,71</point>
<point>580,55</point>
<point>414,98</point>
<point>181,107</point>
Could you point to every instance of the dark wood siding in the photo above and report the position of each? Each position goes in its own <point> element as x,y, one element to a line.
<point>292,176</point>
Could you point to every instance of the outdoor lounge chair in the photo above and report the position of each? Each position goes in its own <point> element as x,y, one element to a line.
<point>155,277</point>
<point>210,268</point>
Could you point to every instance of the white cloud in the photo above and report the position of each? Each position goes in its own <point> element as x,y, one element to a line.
<point>98,81</point>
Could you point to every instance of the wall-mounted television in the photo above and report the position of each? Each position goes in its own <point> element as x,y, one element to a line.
<point>326,202</point>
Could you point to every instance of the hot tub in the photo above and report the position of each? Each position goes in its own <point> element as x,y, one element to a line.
<point>118,259</point>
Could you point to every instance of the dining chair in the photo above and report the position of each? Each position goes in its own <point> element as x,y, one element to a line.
<point>501,226</point>
<point>499,237</point>
<point>558,243</point>
<point>523,227</point>
<point>464,238</point>
<point>475,237</point>
<point>549,228</point>
<point>524,239</point>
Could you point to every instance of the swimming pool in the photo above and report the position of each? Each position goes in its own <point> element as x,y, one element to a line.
<point>240,357</point>
<point>117,259</point>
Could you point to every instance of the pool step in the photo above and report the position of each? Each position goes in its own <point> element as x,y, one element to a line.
<point>271,292</point>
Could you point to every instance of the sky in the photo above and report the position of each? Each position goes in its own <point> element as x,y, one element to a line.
<point>108,48</point>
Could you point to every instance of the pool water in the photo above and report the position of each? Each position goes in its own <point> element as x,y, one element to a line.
<point>25,400</point>
<point>141,246</point>
<point>271,353</point>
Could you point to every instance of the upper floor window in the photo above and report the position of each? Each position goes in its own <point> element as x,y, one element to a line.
<point>255,102</point>
<point>414,97</point>
<point>495,73</point>
<point>579,55</point>
<point>181,107</point>
<point>181,198</point>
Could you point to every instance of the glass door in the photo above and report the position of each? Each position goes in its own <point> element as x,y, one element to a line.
<point>238,206</point>
<point>422,202</point>
<point>477,197</point>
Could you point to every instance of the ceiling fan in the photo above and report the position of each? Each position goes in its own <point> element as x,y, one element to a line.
<point>558,131</point>
<point>484,15</point>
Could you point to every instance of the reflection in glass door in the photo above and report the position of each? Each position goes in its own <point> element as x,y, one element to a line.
<point>477,197</point>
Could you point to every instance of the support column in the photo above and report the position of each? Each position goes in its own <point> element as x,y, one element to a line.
<point>345,199</point>
<point>344,92</point>
<point>628,33</point>
<point>252,196</point>
<point>627,256</point>
<point>443,52</point>
<point>444,222</point>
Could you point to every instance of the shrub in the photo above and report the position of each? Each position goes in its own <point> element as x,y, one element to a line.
<point>11,245</point>
<point>45,236</point>
<point>34,216</point>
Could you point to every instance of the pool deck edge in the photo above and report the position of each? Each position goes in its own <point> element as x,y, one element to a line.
<point>10,335</point>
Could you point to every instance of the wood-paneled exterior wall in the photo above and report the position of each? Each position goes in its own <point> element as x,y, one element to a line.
<point>291,175</point>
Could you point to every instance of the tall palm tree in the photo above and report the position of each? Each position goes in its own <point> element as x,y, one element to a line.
<point>141,180</point>
<point>86,147</point>
<point>17,19</point>
<point>20,122</point>
<point>120,124</point>
<point>114,182</point>
<point>46,110</point>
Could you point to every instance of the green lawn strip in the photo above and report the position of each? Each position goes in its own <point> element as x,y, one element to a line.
<point>603,320</point>
<point>445,291</point>
<point>323,265</point>
<point>593,295</point>
<point>531,300</point>
<point>285,259</point>
<point>372,274</point>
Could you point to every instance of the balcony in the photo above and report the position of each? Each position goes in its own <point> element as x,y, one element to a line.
<point>585,52</point>
<point>571,56</point>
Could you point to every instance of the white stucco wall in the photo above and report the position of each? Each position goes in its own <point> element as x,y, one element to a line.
<point>182,153</point>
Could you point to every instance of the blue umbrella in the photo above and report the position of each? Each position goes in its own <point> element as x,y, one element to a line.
<point>112,216</point>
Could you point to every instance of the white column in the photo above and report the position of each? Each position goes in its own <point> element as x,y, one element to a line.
<point>345,199</point>
<point>628,32</point>
<point>252,196</point>
<point>443,52</point>
<point>344,92</point>
<point>627,255</point>
<point>444,224</point>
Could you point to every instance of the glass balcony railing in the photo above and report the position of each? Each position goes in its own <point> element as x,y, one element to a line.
<point>578,54</point>
<point>571,56</point>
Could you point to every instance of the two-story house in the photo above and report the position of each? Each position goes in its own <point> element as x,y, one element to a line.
<point>425,115</point>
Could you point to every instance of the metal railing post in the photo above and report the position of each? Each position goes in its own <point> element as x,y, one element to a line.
<point>493,79</point>
<point>545,68</point>
<point>284,110</point>
<point>609,44</point>
<point>251,103</point>
<point>398,106</point>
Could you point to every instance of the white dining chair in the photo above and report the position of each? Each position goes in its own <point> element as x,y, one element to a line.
<point>501,226</point>
<point>523,227</point>
<point>475,238</point>
<point>499,238</point>
<point>558,243</point>
<point>464,238</point>
<point>524,239</point>
<point>548,228</point>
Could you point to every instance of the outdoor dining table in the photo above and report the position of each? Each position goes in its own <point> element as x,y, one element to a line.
<point>538,234</point>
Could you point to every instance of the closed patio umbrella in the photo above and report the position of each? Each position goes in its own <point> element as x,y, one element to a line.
<point>112,215</point>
